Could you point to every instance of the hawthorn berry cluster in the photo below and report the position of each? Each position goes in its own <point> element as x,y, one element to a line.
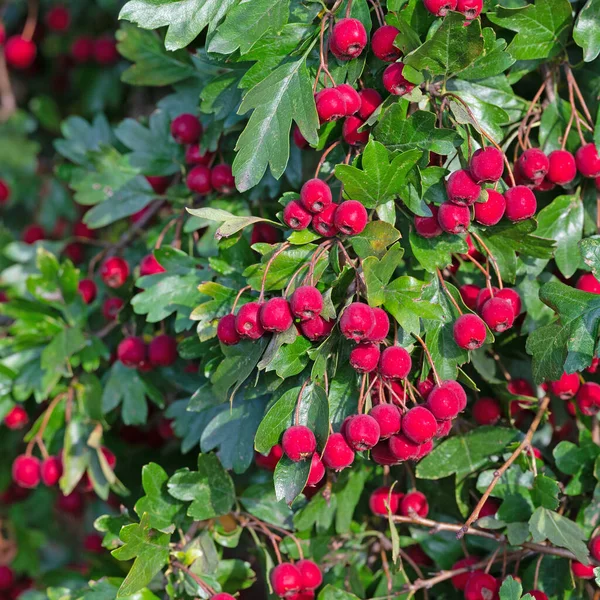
<point>296,581</point>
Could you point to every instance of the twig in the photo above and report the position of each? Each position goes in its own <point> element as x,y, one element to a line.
<point>447,291</point>
<point>429,359</point>
<point>491,257</point>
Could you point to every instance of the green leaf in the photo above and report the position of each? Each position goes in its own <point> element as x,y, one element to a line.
<point>569,457</point>
<point>586,33</point>
<point>514,509</point>
<point>81,137</point>
<point>290,478</point>
<point>285,95</point>
<point>330,592</point>
<point>542,28</point>
<point>148,547</point>
<point>511,589</point>
<point>231,223</point>
<point>379,180</point>
<point>374,239</point>
<point>590,254</point>
<point>545,492</point>
<point>560,531</point>
<point>493,61</point>
<point>436,253</point>
<point>276,421</point>
<point>55,356</point>
<point>185,19</point>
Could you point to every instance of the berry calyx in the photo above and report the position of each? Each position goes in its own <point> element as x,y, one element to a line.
<point>315,195</point>
<point>533,165</point>
<point>16,418</point>
<point>247,321</point>
<point>298,442</point>
<point>498,314</point>
<point>419,425</point>
<point>370,100</point>
<point>395,363</point>
<point>186,129</point>
<point>388,418</point>
<point>383,499</point>
<point>286,580</point>
<point>443,403</point>
<point>306,302</point>
<point>454,218</point>
<point>440,8</point>
<point>331,105</point>
<point>381,327</point>
<point>199,180</point>
<point>26,471</point>
<point>361,432</point>
<point>566,387</point>
<point>357,321</point>
<point>365,357</point>
<point>562,168</point>
<point>132,351</point>
<point>337,454</point>
<point>162,351</point>
<point>275,315</point>
<point>395,82</point>
<point>587,160</point>
<point>51,470</point>
<point>486,165</point>
<point>492,210</point>
<point>481,586</point>
<point>351,98</point>
<point>310,573</point>
<point>348,39</point>
<point>317,470</point>
<point>295,216</point>
<point>470,8</point>
<point>521,203</point>
<point>19,52</point>
<point>382,43</point>
<point>486,411</point>
<point>114,271</point>
<point>351,133</point>
<point>350,217</point>
<point>414,502</point>
<point>461,188</point>
<point>428,227</point>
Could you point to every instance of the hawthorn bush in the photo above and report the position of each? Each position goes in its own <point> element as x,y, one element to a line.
<point>299,299</point>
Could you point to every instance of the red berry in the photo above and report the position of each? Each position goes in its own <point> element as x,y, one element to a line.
<point>357,321</point>
<point>351,98</point>
<point>561,167</point>
<point>199,180</point>
<point>364,357</point>
<point>395,82</point>
<point>4,192</point>
<point>419,425</point>
<point>458,390</point>
<point>74,252</point>
<point>388,418</point>
<point>337,454</point>
<point>468,293</point>
<point>331,105</point>
<point>315,195</point>
<point>269,461</point>
<point>193,156</point>
<point>440,8</point>
<point>105,51</point>
<point>414,502</point>
<point>513,297</point>
<point>427,447</point>
<point>221,179</point>
<point>72,504</point>
<point>350,217</point>
<point>533,165</point>
<point>286,580</point>
<point>159,184</point>
<point>582,571</point>
<point>311,575</point>
<point>453,218</point>
<point>323,222</point>
<point>486,411</point>
<point>82,49</point>
<point>588,398</point>
<point>370,99</point>
<point>486,165</point>
<point>395,363</point>
<point>317,471</point>
<point>424,387</point>
<point>132,351</point>
<point>298,442</point>
<point>295,216</point>
<point>111,308</point>
<point>186,129</point>
<point>265,233</point>
<point>382,43</point>
<point>361,432</point>
<point>520,203</point>
<point>7,578</point>
<point>460,581</point>
<point>306,302</point>
<point>402,448</point>
<point>19,52</point>
<point>443,403</point>
<point>381,454</point>
<point>520,387</point>
<point>461,189</point>
<point>538,594</point>
<point>490,508</point>
<point>470,8</point>
<point>162,351</point>
<point>588,161</point>
<point>382,500</point>
<point>16,418</point>
<point>566,387</point>
<point>469,332</point>
<point>114,271</point>
<point>351,133</point>
<point>498,314</point>
<point>588,283</point>
<point>26,471</point>
<point>481,586</point>
<point>247,321</point>
<point>594,366</point>
<point>51,470</point>
<point>299,138</point>
<point>348,39</point>
<point>381,327</point>
<point>484,295</point>
<point>58,18</point>
<point>150,266</point>
<point>595,547</point>
<point>33,234</point>
<point>492,210</point>
<point>275,315</point>
<point>428,227</point>
<point>88,290</point>
<point>316,329</point>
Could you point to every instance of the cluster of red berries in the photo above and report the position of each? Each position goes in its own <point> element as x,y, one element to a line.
<point>386,499</point>
<point>316,207</point>
<point>297,581</point>
<point>586,393</point>
<point>103,50</point>
<point>133,352</point>
<point>498,307</point>
<point>471,9</point>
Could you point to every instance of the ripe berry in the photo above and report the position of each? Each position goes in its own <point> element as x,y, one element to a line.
<point>357,321</point>
<point>443,403</point>
<point>247,321</point>
<point>298,138</point>
<point>381,454</point>
<point>381,327</point>
<point>419,425</point>
<point>460,581</point>
<point>199,180</point>
<point>395,363</point>
<point>317,470</point>
<point>388,418</point>
<point>19,52</point>
<point>395,82</point>
<point>26,471</point>
<point>486,411</point>
<point>361,432</point>
<point>492,210</point>
<point>33,234</point>
<point>424,387</point>
<point>428,227</point>
<point>486,165</point>
<point>469,332</point>
<point>186,129</point>
<point>351,98</point>
<point>370,100</point>
<point>588,398</point>
<point>490,508</point>
<point>470,8</point>
<point>484,295</point>
<point>595,547</point>
<point>265,233</point>
<point>72,504</point>
<point>520,203</point>
<point>337,454</point>
<point>275,315</point>
<point>150,266</point>
<point>481,586</point>
<point>427,447</point>
<point>162,351</point>
<point>513,297</point>
<point>461,188</point>
<point>131,351</point>
<point>311,575</point>
<point>350,217</point>
<point>498,314</point>
<point>316,329</point>
<point>588,283</point>
<point>295,216</point>
<point>561,167</point>
<point>51,470</point>
<point>16,418</point>
<point>7,578</point>
<point>269,461</point>
<point>58,18</point>
<point>306,302</point>
<point>351,133</point>
<point>458,390</point>
<point>222,596</point>
<point>88,290</point>
<point>315,195</point>
<point>440,8</point>
<point>221,179</point>
<point>582,571</point>
<point>381,500</point>
<point>566,387</point>
<point>331,105</point>
<point>193,156</point>
<point>4,192</point>
<point>402,448</point>
<point>365,357</point>
<point>323,222</point>
<point>453,218</point>
<point>105,51</point>
<point>533,165</point>
<point>286,580</point>
<point>538,595</point>
<point>414,502</point>
<point>348,39</point>
<point>468,293</point>
<point>111,308</point>
<point>588,161</point>
<point>82,49</point>
<point>382,44</point>
<point>298,442</point>
<point>114,271</point>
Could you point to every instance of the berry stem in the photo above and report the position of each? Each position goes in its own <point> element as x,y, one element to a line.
<point>490,256</point>
<point>299,402</point>
<point>361,397</point>
<point>504,370</point>
<point>574,111</point>
<point>429,359</point>
<point>348,9</point>
<point>447,292</point>
<point>324,156</point>
<point>571,78</point>
<point>323,247</point>
<point>486,272</point>
<point>523,124</point>
<point>201,583</point>
<point>7,96</point>
<point>322,54</point>
<point>273,256</point>
<point>239,295</point>
<point>31,22</point>
<point>378,12</point>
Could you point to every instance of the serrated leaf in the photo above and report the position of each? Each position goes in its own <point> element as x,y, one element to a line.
<point>436,253</point>
<point>511,589</point>
<point>545,492</point>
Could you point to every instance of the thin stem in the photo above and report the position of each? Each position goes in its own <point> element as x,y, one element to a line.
<point>573,81</point>
<point>239,295</point>
<point>193,575</point>
<point>324,156</point>
<point>447,292</point>
<point>32,17</point>
<point>429,359</point>
<point>273,256</point>
<point>491,257</point>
